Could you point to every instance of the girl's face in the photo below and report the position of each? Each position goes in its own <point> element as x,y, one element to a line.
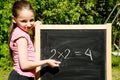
<point>24,20</point>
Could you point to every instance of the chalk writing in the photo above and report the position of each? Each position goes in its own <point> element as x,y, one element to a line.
<point>88,53</point>
<point>65,54</point>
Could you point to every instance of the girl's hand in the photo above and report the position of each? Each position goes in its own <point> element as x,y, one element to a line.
<point>53,63</point>
<point>37,23</point>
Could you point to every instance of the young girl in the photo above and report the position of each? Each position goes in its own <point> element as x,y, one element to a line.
<point>21,46</point>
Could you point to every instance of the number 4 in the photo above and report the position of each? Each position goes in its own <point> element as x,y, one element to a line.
<point>89,53</point>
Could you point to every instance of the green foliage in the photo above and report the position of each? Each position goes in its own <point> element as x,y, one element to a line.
<point>5,61</point>
<point>115,61</point>
<point>5,21</point>
<point>57,12</point>
<point>66,12</point>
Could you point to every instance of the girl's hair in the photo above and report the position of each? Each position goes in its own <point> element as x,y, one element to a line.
<point>18,6</point>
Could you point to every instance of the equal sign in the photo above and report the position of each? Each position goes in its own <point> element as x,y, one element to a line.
<point>78,53</point>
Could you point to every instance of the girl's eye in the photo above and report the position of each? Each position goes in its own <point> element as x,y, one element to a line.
<point>31,20</point>
<point>24,21</point>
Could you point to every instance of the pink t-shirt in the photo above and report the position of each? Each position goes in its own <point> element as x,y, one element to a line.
<point>17,33</point>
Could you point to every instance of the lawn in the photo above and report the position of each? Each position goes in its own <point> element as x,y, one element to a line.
<point>116,73</point>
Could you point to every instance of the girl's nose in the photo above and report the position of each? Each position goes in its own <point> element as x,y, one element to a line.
<point>29,24</point>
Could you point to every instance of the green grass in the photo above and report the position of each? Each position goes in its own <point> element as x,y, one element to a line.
<point>115,67</point>
<point>116,73</point>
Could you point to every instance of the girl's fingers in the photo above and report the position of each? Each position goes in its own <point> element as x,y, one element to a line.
<point>53,63</point>
<point>37,23</point>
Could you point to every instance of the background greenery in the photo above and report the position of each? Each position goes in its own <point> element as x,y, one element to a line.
<point>61,12</point>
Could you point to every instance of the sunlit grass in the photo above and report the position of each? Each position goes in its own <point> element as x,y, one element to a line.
<point>116,73</point>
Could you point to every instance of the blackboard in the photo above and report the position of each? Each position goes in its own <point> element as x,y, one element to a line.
<point>82,50</point>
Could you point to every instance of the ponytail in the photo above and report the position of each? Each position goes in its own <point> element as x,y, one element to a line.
<point>12,27</point>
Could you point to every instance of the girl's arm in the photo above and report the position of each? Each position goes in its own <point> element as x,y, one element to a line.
<point>23,58</point>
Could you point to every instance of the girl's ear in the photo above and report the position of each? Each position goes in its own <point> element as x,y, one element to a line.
<point>13,19</point>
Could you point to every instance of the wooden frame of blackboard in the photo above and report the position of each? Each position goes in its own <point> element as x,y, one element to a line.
<point>106,27</point>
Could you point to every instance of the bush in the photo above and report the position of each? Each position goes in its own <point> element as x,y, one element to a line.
<point>5,61</point>
<point>115,61</point>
